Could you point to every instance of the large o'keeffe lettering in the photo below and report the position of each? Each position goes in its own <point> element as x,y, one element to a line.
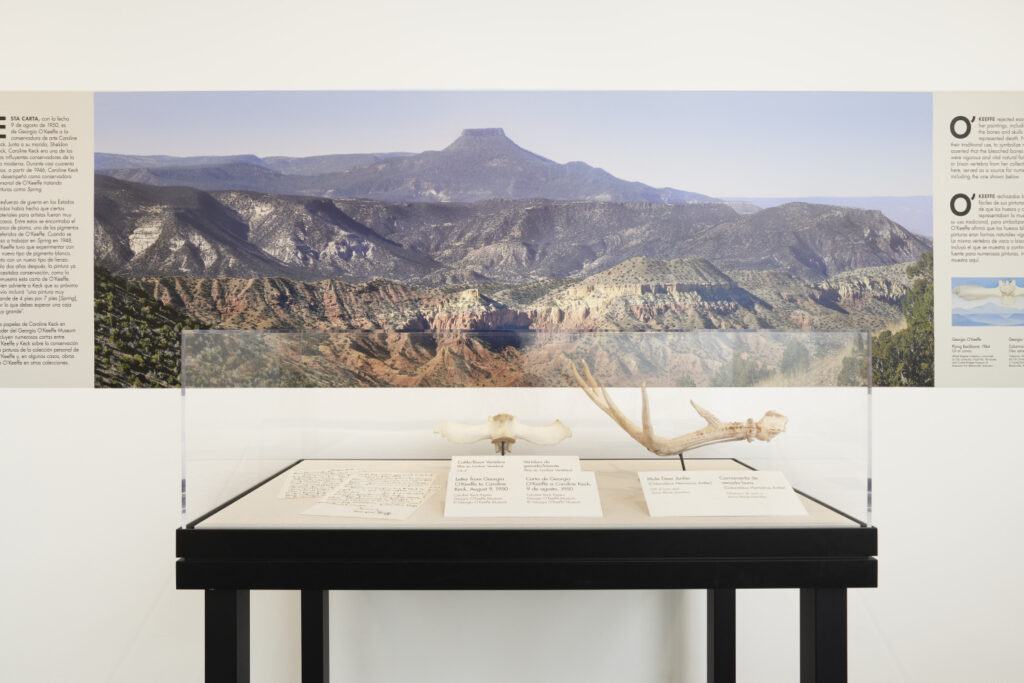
<point>966,127</point>
<point>966,204</point>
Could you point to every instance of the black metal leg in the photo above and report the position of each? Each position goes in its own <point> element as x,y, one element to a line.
<point>227,636</point>
<point>822,635</point>
<point>315,641</point>
<point>721,635</point>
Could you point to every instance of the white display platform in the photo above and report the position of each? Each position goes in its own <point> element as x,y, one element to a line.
<point>622,501</point>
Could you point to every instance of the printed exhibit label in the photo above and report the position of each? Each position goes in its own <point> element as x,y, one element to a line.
<point>979,239</point>
<point>719,494</point>
<point>46,243</point>
<point>520,486</point>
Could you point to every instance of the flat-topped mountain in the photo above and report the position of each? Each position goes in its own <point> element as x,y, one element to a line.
<point>482,163</point>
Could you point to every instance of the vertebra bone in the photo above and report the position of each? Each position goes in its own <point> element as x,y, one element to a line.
<point>503,430</point>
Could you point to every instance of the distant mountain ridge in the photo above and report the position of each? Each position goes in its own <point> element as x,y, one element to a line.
<point>913,212</point>
<point>325,163</point>
<point>143,230</point>
<point>313,165</point>
<point>110,162</point>
<point>233,175</point>
<point>482,163</point>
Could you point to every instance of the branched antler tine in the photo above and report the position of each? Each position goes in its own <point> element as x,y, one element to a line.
<point>645,413</point>
<point>706,414</point>
<point>579,380</point>
<point>597,393</point>
<point>607,404</point>
<point>590,377</point>
<point>589,390</point>
<point>591,386</point>
<point>632,428</point>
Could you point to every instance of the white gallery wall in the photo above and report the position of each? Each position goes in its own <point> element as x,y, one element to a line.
<point>87,583</point>
<point>91,495</point>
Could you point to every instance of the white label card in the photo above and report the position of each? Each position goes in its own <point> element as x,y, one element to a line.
<point>719,494</point>
<point>376,495</point>
<point>514,486</point>
<point>561,494</point>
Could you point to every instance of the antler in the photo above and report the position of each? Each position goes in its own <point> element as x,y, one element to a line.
<point>716,431</point>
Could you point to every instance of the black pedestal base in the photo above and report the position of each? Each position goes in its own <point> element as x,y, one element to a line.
<point>822,636</point>
<point>227,635</point>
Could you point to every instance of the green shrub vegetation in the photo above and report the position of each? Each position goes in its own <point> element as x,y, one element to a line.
<point>907,357</point>
<point>854,370</point>
<point>742,371</point>
<point>137,338</point>
<point>795,358</point>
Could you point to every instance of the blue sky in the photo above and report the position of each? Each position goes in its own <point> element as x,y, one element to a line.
<point>717,143</point>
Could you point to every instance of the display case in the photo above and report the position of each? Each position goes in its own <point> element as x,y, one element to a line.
<point>614,434</point>
<point>258,403</point>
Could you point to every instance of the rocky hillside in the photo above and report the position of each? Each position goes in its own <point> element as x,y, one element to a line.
<point>681,294</point>
<point>522,240</point>
<point>510,358</point>
<point>912,212</point>
<point>812,240</point>
<point>532,239</point>
<point>146,230</point>
<point>280,303</point>
<point>141,230</point>
<point>316,239</point>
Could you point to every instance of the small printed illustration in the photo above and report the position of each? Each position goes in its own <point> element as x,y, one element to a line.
<point>988,302</point>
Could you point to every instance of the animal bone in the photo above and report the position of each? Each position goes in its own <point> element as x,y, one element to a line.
<point>716,431</point>
<point>503,430</point>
